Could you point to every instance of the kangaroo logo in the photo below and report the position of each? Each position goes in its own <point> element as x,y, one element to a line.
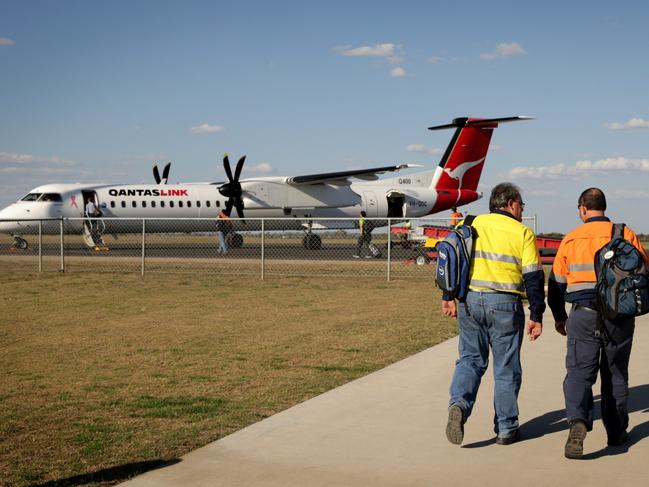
<point>460,170</point>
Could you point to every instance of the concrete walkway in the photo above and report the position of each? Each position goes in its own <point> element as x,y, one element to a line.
<point>387,429</point>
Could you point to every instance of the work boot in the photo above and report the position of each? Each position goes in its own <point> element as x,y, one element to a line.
<point>455,425</point>
<point>508,440</point>
<point>576,436</point>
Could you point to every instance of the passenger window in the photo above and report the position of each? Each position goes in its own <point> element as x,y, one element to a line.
<point>198,204</point>
<point>144,204</point>
<point>218,204</point>
<point>123,204</point>
<point>153,204</point>
<point>162,204</point>
<point>171,204</point>
<point>180,204</point>
<point>189,204</point>
<point>112,204</point>
<point>134,204</point>
<point>208,203</point>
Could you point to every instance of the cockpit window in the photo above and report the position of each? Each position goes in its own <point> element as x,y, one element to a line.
<point>51,197</point>
<point>31,197</point>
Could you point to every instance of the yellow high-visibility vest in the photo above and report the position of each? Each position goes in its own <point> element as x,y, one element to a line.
<point>504,251</point>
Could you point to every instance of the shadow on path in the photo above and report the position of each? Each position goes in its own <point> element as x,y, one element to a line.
<point>555,421</point>
<point>110,475</point>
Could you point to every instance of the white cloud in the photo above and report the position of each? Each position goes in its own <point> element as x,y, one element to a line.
<point>634,123</point>
<point>263,168</point>
<point>5,41</point>
<point>29,159</point>
<point>543,192</point>
<point>386,50</point>
<point>504,50</point>
<point>422,149</point>
<point>436,60</point>
<point>628,194</point>
<point>206,128</point>
<point>398,72</point>
<point>581,168</point>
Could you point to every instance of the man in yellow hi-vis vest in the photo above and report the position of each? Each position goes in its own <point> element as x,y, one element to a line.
<point>505,267</point>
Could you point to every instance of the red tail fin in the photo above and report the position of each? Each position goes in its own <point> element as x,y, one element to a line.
<point>461,165</point>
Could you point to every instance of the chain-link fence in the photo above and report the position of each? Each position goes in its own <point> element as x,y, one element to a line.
<point>395,249</point>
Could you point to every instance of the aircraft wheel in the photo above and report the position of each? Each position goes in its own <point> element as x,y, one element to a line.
<point>234,240</point>
<point>21,243</point>
<point>422,259</point>
<point>312,242</point>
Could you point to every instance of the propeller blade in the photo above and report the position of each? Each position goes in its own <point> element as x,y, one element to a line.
<point>237,171</point>
<point>165,173</point>
<point>156,174</point>
<point>239,206</point>
<point>226,166</point>
<point>228,206</point>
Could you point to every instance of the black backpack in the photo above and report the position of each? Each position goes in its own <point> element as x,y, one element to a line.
<point>622,279</point>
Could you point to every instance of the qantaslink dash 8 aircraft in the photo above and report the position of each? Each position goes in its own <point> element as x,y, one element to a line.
<point>453,182</point>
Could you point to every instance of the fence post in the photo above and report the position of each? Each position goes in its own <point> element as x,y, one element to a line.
<point>389,245</point>
<point>535,224</point>
<point>62,268</point>
<point>40,245</point>
<point>143,244</point>
<point>263,255</point>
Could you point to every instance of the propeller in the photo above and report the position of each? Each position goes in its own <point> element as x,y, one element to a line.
<point>165,173</point>
<point>232,189</point>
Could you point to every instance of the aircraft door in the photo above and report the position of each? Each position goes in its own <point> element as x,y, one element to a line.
<point>370,204</point>
<point>396,205</point>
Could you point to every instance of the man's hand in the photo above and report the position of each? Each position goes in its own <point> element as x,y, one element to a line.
<point>449,309</point>
<point>534,329</point>
<point>560,326</point>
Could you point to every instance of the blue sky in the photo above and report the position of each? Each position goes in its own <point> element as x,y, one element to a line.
<point>97,91</point>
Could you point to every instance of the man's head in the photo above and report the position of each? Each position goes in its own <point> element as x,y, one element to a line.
<point>507,197</point>
<point>363,214</point>
<point>591,202</point>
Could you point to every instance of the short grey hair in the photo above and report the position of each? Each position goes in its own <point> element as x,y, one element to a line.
<point>501,194</point>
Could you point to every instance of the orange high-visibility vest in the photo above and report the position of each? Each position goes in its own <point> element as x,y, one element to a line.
<point>574,263</point>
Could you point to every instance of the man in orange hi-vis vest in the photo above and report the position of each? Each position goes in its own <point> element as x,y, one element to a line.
<point>456,217</point>
<point>573,280</point>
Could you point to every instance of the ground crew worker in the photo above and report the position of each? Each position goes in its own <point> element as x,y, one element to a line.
<point>573,280</point>
<point>456,217</point>
<point>365,228</point>
<point>506,266</point>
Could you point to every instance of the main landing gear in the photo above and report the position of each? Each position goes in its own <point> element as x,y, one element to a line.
<point>311,241</point>
<point>234,240</point>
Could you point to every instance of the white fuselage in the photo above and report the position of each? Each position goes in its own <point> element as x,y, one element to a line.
<point>123,206</point>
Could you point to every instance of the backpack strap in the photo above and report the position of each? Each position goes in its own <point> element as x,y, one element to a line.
<point>617,231</point>
<point>469,220</point>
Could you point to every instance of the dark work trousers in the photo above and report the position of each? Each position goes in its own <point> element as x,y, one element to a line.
<point>586,355</point>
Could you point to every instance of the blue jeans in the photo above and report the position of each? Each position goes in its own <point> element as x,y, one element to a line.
<point>493,320</point>
<point>222,247</point>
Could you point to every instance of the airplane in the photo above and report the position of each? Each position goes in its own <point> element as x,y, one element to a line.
<point>297,199</point>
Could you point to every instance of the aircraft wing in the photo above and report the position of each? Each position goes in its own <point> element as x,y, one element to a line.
<point>342,177</point>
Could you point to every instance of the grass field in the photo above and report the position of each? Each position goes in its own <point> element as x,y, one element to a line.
<point>107,375</point>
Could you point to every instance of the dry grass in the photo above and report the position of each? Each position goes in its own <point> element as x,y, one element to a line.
<point>101,372</point>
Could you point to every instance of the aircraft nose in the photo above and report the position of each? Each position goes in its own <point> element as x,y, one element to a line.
<point>5,225</point>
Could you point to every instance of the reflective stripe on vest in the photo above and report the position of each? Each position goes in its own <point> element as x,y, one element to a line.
<point>497,286</point>
<point>481,254</point>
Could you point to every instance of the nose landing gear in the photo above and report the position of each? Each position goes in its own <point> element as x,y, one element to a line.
<point>20,243</point>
